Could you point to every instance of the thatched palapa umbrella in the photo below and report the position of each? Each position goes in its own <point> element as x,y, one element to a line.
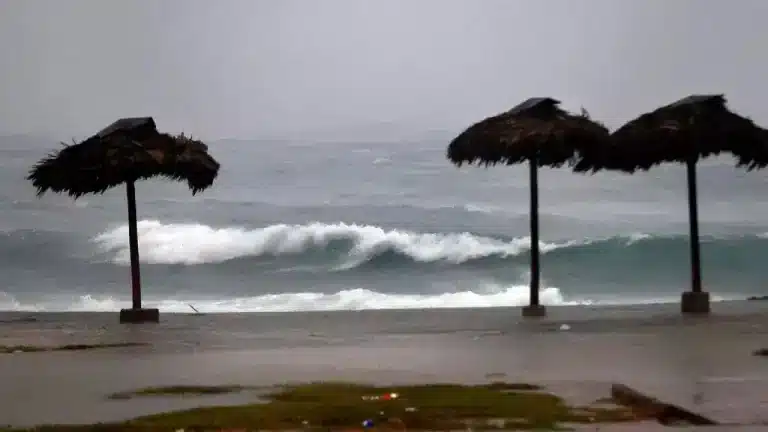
<point>129,149</point>
<point>537,131</point>
<point>685,131</point>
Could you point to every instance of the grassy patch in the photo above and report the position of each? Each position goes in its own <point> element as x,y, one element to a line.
<point>505,386</point>
<point>9,349</point>
<point>337,406</point>
<point>179,390</point>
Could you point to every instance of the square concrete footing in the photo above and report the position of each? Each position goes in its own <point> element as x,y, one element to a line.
<point>138,316</point>
<point>695,303</point>
<point>534,311</point>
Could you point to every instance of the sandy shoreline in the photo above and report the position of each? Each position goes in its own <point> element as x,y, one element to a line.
<point>706,365</point>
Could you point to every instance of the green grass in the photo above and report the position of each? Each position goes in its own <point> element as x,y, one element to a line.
<point>334,406</point>
<point>180,390</point>
<point>505,386</point>
<point>9,349</point>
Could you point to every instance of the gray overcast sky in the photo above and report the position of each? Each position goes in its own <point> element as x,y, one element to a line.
<point>252,68</point>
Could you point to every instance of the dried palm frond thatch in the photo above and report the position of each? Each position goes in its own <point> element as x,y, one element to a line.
<point>129,149</point>
<point>685,131</point>
<point>537,131</point>
<point>692,128</point>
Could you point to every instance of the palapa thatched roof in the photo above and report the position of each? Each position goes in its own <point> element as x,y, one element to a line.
<point>693,127</point>
<point>127,150</point>
<point>536,128</point>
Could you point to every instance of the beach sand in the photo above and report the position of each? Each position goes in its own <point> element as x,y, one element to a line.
<point>704,364</point>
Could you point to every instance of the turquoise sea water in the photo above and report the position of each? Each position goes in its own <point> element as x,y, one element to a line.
<point>293,226</point>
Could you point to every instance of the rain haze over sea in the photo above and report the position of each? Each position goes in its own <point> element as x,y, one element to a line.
<point>330,121</point>
<point>293,227</point>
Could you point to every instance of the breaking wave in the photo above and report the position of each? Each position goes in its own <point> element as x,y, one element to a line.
<point>343,247</point>
<point>353,299</point>
<point>192,244</point>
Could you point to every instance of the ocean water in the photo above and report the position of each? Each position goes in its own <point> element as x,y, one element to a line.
<point>303,225</point>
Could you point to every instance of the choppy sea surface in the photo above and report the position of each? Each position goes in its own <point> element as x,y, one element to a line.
<point>298,226</point>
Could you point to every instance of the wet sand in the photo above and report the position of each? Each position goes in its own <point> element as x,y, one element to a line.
<point>705,364</point>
